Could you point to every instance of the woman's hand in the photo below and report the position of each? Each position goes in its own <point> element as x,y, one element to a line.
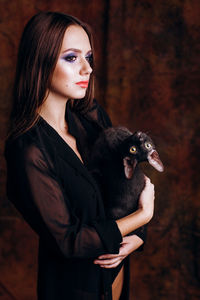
<point>128,245</point>
<point>146,201</point>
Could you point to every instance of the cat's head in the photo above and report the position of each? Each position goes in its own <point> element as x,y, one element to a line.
<point>137,148</point>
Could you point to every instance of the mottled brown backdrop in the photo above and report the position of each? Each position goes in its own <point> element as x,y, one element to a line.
<point>148,78</point>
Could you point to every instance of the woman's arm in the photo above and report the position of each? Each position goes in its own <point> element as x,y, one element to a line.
<point>132,242</point>
<point>144,213</point>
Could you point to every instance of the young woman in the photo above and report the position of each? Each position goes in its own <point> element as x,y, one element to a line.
<point>54,122</point>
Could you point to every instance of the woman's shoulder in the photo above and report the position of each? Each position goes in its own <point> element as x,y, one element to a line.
<point>31,149</point>
<point>25,145</point>
<point>98,113</point>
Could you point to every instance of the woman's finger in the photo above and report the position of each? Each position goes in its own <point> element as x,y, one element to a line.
<point>107,256</point>
<point>108,261</point>
<point>111,266</point>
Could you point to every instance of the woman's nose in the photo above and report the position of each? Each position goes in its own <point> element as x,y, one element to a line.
<point>85,67</point>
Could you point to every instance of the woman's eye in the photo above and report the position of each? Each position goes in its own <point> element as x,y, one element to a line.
<point>70,58</point>
<point>89,58</point>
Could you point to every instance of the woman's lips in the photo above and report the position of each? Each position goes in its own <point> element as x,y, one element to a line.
<point>83,84</point>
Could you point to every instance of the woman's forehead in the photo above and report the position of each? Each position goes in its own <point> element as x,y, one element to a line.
<point>75,37</point>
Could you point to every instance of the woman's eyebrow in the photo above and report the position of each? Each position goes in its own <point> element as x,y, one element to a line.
<point>75,50</point>
<point>71,49</point>
<point>89,52</point>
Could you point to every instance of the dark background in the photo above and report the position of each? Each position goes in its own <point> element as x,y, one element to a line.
<point>147,78</point>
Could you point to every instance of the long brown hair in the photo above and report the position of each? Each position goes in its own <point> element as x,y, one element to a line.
<point>37,56</point>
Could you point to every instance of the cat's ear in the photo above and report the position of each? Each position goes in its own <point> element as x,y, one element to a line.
<point>129,166</point>
<point>154,160</point>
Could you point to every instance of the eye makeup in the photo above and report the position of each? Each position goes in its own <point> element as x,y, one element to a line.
<point>70,57</point>
<point>73,56</point>
<point>89,58</point>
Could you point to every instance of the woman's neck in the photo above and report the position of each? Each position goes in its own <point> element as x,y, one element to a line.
<point>53,111</point>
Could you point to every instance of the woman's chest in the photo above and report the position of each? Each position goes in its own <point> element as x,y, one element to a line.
<point>80,188</point>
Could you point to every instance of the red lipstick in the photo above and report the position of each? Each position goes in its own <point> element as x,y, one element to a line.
<point>83,84</point>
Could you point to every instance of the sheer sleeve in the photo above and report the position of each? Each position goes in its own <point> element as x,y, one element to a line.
<point>141,232</point>
<point>34,189</point>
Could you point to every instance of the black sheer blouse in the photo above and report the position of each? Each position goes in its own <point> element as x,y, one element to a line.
<point>60,200</point>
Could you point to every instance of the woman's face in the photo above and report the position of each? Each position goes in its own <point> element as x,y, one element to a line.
<point>72,72</point>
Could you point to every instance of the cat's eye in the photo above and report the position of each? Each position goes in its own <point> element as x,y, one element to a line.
<point>133,149</point>
<point>148,145</point>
